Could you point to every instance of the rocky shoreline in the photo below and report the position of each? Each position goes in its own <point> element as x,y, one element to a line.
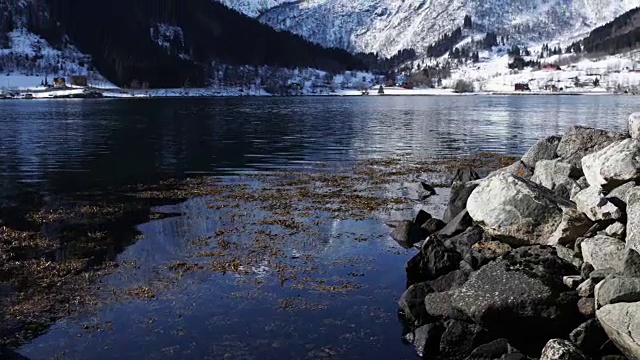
<point>539,260</point>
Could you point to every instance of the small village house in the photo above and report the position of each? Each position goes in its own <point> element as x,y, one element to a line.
<point>79,80</point>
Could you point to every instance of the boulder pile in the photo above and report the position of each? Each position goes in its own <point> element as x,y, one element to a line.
<point>538,260</point>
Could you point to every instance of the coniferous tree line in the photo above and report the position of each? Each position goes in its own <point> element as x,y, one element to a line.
<point>117,36</point>
<point>621,34</point>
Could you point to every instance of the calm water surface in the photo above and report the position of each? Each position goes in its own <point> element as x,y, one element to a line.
<point>55,147</point>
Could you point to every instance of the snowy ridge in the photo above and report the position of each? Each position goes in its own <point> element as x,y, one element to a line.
<point>387,26</point>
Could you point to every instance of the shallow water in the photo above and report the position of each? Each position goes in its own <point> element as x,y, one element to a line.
<point>327,290</point>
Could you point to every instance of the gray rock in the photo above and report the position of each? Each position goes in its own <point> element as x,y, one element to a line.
<point>615,230</point>
<point>601,274</point>
<point>484,252</point>
<point>614,165</point>
<point>615,289</point>
<point>558,349</point>
<point>586,269</point>
<point>438,306</point>
<point>587,307</point>
<point>570,256</point>
<point>515,210</point>
<point>620,195</point>
<point>450,281</point>
<point>579,141</point>
<point>407,233</point>
<point>425,190</point>
<point>621,322</point>
<point>465,175</point>
<point>518,168</point>
<point>589,337</point>
<point>522,293</point>
<point>459,224</point>
<point>586,288</point>
<point>461,338</point>
<point>460,193</point>
<point>555,174</point>
<point>634,125</point>
<point>592,202</point>
<point>631,267</point>
<point>411,303</point>
<point>572,281</point>
<point>425,339</point>
<point>603,252</point>
<point>574,225</point>
<point>544,149</point>
<point>422,217</point>
<point>432,226</point>
<point>633,219</point>
<point>463,242</point>
<point>433,261</point>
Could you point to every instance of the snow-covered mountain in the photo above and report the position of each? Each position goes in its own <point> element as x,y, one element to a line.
<point>387,26</point>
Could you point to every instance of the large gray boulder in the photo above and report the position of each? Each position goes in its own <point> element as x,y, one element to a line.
<point>558,349</point>
<point>579,141</point>
<point>521,295</point>
<point>633,219</point>
<point>557,176</point>
<point>621,322</point>
<point>603,252</point>
<point>544,149</point>
<point>615,289</point>
<point>515,210</point>
<point>634,125</point>
<point>614,165</point>
<point>592,202</point>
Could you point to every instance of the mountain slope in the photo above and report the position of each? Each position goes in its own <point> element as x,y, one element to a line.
<point>162,43</point>
<point>387,26</point>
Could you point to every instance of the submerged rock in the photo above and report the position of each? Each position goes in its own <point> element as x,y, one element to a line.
<point>621,322</point>
<point>515,210</point>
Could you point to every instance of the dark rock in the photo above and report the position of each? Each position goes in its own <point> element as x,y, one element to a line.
<point>600,274</point>
<point>544,149</point>
<point>585,270</point>
<point>615,289</point>
<point>558,349</point>
<point>433,261</point>
<point>8,354</point>
<point>411,304</point>
<point>425,339</point>
<point>521,297</point>
<point>427,190</point>
<point>460,193</point>
<point>614,357</point>
<point>450,281</point>
<point>580,141</point>
<point>484,252</point>
<point>463,242</point>
<point>587,306</point>
<point>432,226</point>
<point>589,337</point>
<point>460,223</point>
<point>460,338</point>
<point>496,350</point>
<point>577,247</point>
<point>421,218</point>
<point>392,223</point>
<point>569,256</point>
<point>464,175</point>
<point>407,233</point>
<point>631,264</point>
<point>586,288</point>
<point>438,306</point>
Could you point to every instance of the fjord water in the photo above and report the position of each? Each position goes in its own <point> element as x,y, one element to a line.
<point>58,147</point>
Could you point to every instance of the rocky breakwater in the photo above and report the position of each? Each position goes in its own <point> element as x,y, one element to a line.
<point>538,260</point>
